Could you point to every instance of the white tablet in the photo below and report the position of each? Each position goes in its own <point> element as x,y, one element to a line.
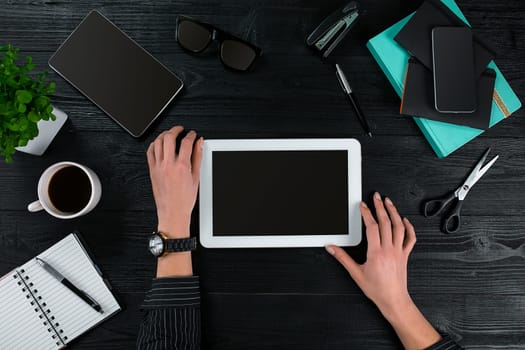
<point>280,193</point>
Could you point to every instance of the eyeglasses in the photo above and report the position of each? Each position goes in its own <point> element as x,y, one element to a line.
<point>196,37</point>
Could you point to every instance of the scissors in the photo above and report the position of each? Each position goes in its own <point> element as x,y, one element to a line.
<point>452,221</point>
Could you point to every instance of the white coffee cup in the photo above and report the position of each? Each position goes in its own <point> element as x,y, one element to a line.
<point>44,202</point>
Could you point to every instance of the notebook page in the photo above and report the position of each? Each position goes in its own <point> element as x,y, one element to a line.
<point>72,315</point>
<point>20,326</point>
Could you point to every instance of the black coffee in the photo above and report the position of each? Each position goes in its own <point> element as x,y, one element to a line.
<point>70,189</point>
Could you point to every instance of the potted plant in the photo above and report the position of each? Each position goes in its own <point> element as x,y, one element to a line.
<point>25,106</point>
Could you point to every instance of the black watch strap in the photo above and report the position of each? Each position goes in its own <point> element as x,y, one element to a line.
<point>181,245</point>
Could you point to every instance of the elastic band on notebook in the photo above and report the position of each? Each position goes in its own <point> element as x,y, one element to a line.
<point>500,104</point>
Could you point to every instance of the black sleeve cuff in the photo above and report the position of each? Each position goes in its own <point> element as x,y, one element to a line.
<point>173,292</point>
<point>445,344</point>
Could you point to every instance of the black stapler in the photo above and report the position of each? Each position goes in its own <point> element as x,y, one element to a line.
<point>327,35</point>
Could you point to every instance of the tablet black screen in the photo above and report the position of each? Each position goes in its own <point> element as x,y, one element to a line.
<point>115,73</point>
<point>280,192</point>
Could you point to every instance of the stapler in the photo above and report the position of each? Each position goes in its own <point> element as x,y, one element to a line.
<point>327,35</point>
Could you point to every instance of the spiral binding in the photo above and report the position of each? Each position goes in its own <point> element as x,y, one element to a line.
<point>48,320</point>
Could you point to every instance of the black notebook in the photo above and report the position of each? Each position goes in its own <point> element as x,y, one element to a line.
<point>418,98</point>
<point>416,35</point>
<point>39,312</point>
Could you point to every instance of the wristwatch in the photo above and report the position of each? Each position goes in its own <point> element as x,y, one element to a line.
<point>160,245</point>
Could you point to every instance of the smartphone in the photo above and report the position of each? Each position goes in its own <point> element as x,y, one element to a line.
<point>453,66</point>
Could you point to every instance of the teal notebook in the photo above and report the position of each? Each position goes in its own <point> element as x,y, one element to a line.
<point>444,138</point>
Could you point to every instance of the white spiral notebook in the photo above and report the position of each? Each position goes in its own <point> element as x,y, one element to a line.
<point>39,312</point>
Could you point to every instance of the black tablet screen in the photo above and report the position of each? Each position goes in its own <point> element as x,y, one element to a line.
<point>280,192</point>
<point>115,73</point>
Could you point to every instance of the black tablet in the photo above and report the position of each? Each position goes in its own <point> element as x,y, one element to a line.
<point>115,73</point>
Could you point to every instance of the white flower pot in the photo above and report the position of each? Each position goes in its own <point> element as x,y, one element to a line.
<point>47,130</point>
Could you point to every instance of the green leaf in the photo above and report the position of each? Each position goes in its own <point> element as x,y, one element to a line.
<point>23,122</point>
<point>42,102</point>
<point>32,130</point>
<point>32,116</point>
<point>11,82</point>
<point>24,96</point>
<point>13,126</point>
<point>11,112</point>
<point>22,108</point>
<point>24,80</point>
<point>52,86</point>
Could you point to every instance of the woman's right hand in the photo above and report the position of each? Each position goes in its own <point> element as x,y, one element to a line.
<point>383,277</point>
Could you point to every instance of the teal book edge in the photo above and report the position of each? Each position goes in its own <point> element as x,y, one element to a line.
<point>444,138</point>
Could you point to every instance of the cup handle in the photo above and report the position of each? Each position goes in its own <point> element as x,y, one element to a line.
<point>35,206</point>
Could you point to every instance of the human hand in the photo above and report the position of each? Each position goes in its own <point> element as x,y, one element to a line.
<point>175,179</point>
<point>383,277</point>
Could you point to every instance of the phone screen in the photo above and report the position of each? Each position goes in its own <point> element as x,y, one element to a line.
<point>453,63</point>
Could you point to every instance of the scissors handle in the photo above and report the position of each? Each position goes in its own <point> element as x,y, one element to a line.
<point>452,221</point>
<point>434,207</point>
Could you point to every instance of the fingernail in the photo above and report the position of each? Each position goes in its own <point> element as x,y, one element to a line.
<point>363,204</point>
<point>388,201</point>
<point>406,220</point>
<point>330,250</point>
<point>377,196</point>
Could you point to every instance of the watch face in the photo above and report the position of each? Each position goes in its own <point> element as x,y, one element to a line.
<point>156,245</point>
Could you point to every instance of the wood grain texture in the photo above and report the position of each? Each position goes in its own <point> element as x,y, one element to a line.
<point>471,284</point>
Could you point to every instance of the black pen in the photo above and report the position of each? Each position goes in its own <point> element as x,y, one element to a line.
<point>348,91</point>
<point>82,295</point>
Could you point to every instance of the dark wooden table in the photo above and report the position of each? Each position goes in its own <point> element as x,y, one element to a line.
<point>470,284</point>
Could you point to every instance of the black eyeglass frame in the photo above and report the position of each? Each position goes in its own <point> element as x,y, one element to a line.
<point>219,36</point>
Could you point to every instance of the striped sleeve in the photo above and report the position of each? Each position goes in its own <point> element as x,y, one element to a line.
<point>445,344</point>
<point>172,317</point>
<point>173,292</point>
